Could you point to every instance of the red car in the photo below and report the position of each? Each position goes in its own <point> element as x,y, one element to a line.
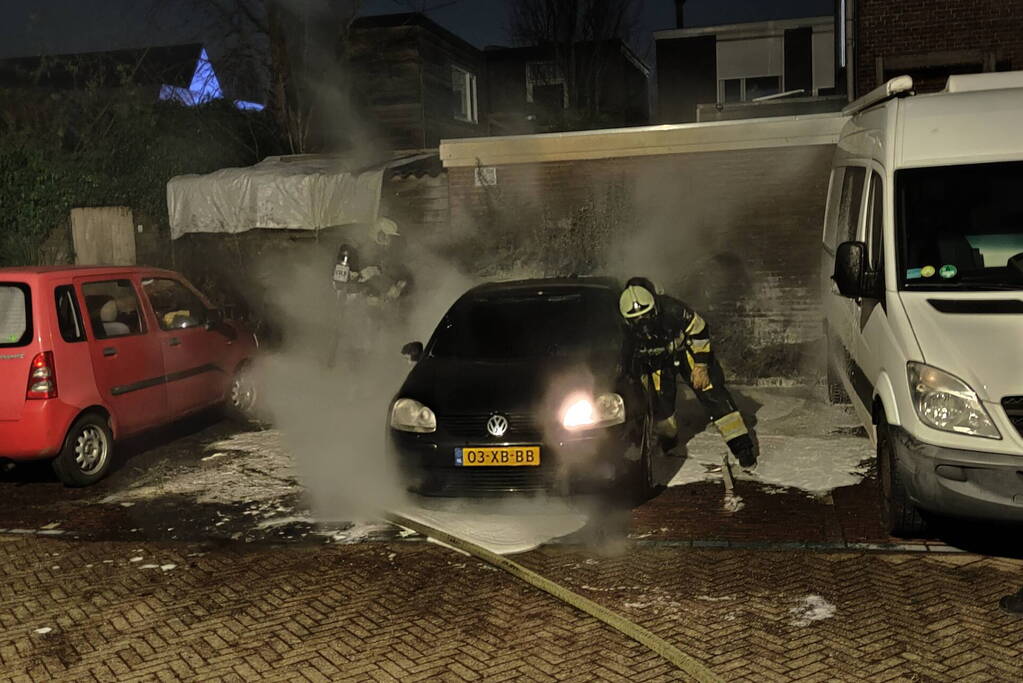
<point>90,355</point>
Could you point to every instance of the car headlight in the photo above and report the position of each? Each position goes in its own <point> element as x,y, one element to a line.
<point>584,412</point>
<point>412,416</point>
<point>947,403</point>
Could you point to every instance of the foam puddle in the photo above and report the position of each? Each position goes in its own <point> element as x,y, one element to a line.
<point>503,527</point>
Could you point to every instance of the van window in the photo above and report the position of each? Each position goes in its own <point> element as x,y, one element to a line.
<point>15,314</point>
<point>176,306</point>
<point>961,227</point>
<point>850,203</point>
<point>113,309</point>
<point>875,226</point>
<point>831,212</point>
<point>69,319</point>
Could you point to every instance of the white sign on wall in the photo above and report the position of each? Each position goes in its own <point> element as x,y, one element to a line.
<point>486,176</point>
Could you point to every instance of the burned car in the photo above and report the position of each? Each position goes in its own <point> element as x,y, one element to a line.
<point>526,386</point>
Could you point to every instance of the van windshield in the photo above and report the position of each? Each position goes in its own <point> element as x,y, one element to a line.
<point>15,315</point>
<point>961,227</point>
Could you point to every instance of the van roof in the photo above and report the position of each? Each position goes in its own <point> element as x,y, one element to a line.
<point>967,123</point>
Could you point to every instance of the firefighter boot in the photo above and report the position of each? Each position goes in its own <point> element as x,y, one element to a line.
<point>745,451</point>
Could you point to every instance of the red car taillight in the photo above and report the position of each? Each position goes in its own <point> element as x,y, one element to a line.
<point>42,379</point>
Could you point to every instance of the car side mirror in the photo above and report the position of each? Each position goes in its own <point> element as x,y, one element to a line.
<point>851,275</point>
<point>413,350</point>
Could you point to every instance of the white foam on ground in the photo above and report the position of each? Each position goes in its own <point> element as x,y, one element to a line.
<point>501,527</point>
<point>812,608</point>
<point>799,447</point>
<point>259,468</point>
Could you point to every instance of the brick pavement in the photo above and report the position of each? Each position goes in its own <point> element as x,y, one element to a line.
<point>413,611</point>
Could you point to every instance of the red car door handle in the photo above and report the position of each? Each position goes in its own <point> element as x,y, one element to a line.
<point>109,351</point>
<point>174,341</point>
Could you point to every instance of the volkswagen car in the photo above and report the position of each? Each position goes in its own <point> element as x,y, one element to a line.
<point>525,386</point>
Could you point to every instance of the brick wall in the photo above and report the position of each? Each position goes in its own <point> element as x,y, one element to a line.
<point>735,233</point>
<point>891,28</point>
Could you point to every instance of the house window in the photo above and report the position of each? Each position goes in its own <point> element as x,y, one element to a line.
<point>748,89</point>
<point>463,89</point>
<point>545,85</point>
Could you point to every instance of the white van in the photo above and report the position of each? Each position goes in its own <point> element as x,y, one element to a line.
<point>922,270</point>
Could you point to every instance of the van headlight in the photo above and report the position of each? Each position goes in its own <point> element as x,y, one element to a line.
<point>412,416</point>
<point>947,403</point>
<point>583,412</point>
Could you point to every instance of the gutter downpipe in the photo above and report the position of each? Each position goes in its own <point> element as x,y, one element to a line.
<point>850,49</point>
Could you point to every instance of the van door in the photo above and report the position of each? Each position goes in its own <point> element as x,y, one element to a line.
<point>16,349</point>
<point>193,355</point>
<point>126,356</point>
<point>874,331</point>
<point>843,314</point>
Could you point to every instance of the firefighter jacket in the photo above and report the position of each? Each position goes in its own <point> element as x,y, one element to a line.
<point>678,335</point>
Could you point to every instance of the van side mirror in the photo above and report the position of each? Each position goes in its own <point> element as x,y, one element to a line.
<point>413,350</point>
<point>851,275</point>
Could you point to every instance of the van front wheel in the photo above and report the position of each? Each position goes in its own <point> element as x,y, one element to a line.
<point>900,517</point>
<point>87,453</point>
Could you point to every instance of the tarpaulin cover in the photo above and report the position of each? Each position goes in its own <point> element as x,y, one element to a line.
<point>293,193</point>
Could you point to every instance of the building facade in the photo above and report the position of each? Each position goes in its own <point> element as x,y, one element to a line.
<point>931,39</point>
<point>728,67</point>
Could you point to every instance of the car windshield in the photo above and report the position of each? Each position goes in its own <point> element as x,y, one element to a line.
<point>506,326</point>
<point>961,226</point>
<point>15,316</point>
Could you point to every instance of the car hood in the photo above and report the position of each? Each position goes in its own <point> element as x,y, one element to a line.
<point>982,349</point>
<point>455,386</point>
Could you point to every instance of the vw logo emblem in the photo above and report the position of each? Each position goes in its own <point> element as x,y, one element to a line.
<point>497,425</point>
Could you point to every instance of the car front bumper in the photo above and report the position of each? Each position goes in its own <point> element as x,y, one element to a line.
<point>589,463</point>
<point>960,483</point>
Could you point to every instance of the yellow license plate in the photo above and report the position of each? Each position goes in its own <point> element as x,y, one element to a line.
<point>505,456</point>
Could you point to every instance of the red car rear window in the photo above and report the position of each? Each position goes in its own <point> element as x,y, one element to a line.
<point>15,314</point>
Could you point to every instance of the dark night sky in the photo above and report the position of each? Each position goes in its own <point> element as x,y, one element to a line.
<point>92,25</point>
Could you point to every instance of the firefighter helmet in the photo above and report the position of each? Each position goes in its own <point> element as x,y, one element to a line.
<point>637,300</point>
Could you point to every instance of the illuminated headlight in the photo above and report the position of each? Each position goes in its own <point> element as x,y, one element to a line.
<point>583,412</point>
<point>947,403</point>
<point>412,416</point>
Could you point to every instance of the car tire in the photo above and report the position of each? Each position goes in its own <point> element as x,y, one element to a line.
<point>836,390</point>
<point>898,514</point>
<point>88,452</point>
<point>641,480</point>
<point>242,395</point>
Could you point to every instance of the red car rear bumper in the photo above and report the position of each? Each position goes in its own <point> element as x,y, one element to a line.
<point>40,431</point>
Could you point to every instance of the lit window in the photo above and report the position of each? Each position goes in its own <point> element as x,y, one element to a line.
<point>463,89</point>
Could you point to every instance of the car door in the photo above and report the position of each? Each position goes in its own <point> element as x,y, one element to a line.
<point>843,314</point>
<point>193,354</point>
<point>126,358</point>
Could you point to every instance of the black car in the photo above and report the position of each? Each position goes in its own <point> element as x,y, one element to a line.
<point>526,387</point>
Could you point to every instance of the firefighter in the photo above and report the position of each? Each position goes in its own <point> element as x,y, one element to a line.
<point>384,278</point>
<point>672,338</point>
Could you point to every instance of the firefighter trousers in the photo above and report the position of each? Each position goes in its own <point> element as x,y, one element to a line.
<point>715,399</point>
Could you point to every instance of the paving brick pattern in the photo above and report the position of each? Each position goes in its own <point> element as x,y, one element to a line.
<point>412,611</point>
<point>407,611</point>
<point>896,616</point>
